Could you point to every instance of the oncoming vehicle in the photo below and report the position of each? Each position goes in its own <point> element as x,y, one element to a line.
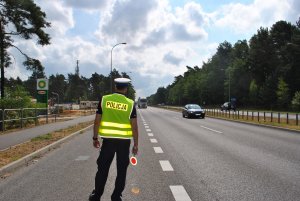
<point>228,106</point>
<point>193,110</point>
<point>142,103</point>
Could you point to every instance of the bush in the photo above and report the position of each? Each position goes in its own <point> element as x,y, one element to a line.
<point>17,98</point>
<point>296,101</point>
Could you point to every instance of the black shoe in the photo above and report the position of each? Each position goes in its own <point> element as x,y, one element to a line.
<point>116,198</point>
<point>92,196</point>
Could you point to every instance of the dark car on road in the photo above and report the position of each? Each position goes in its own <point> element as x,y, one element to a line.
<point>193,110</point>
<point>228,106</point>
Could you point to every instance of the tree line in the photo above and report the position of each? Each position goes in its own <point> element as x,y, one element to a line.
<point>71,89</point>
<point>263,72</point>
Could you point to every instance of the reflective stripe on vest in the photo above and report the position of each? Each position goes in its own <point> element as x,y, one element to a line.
<point>117,132</point>
<point>117,125</point>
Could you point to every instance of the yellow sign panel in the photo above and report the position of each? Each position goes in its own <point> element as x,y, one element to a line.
<point>116,105</point>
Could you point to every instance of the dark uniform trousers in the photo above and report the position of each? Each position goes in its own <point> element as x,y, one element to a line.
<point>110,146</point>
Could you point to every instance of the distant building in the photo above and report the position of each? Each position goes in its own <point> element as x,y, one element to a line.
<point>88,104</point>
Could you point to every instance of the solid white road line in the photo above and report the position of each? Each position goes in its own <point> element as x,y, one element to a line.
<point>152,140</point>
<point>180,193</point>
<point>146,126</point>
<point>165,165</point>
<point>211,129</point>
<point>150,134</point>
<point>158,150</point>
<point>148,130</point>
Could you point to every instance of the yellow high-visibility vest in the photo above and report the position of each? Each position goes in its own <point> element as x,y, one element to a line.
<point>115,120</point>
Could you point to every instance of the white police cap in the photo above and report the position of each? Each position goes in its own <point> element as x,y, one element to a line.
<point>122,81</point>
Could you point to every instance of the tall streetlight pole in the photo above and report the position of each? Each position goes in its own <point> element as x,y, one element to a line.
<point>111,79</point>
<point>222,69</point>
<point>229,88</point>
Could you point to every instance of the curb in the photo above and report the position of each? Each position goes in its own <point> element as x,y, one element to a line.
<point>26,159</point>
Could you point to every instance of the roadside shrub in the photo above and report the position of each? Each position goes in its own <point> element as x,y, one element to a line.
<point>296,101</point>
<point>17,98</point>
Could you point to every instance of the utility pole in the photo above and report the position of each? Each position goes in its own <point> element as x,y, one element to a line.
<point>229,88</point>
<point>2,56</point>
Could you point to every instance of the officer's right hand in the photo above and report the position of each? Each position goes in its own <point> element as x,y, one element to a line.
<point>96,144</point>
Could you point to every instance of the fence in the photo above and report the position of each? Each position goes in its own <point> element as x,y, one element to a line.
<point>19,118</point>
<point>258,116</point>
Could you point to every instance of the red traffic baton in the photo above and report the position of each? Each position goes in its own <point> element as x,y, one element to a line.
<point>133,160</point>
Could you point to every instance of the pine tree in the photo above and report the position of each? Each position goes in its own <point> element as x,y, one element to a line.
<point>22,18</point>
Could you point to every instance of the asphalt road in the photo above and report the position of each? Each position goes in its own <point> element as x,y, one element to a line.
<point>17,137</point>
<point>179,159</point>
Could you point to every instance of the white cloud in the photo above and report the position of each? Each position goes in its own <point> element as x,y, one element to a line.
<point>87,4</point>
<point>244,18</point>
<point>172,59</point>
<point>61,17</point>
<point>186,24</point>
<point>126,20</point>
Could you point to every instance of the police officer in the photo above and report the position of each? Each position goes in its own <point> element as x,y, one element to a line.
<point>116,124</point>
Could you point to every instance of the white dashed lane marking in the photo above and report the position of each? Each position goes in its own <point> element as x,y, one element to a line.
<point>180,193</point>
<point>152,140</point>
<point>165,165</point>
<point>158,150</point>
<point>211,129</point>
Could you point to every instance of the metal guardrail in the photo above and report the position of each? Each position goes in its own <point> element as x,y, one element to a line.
<point>259,116</point>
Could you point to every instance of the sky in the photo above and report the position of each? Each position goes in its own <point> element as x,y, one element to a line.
<point>162,36</point>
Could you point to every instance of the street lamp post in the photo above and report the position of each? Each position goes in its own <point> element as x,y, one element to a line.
<point>111,79</point>
<point>57,100</point>
<point>229,88</point>
<point>228,83</point>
